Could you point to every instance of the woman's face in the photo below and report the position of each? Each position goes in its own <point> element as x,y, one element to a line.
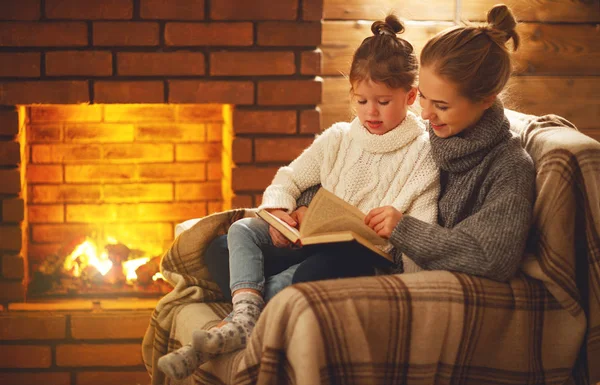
<point>448,112</point>
<point>379,107</point>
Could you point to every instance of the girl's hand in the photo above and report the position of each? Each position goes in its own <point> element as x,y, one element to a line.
<point>298,214</point>
<point>276,237</point>
<point>383,220</point>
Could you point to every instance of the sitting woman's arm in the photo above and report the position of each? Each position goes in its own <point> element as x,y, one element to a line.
<point>489,243</point>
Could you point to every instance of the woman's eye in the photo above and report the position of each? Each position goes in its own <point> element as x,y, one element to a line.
<point>419,95</point>
<point>441,108</point>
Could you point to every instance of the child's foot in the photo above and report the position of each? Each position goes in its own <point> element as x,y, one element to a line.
<point>183,362</point>
<point>234,334</point>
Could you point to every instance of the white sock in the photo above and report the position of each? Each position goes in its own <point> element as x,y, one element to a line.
<point>183,362</point>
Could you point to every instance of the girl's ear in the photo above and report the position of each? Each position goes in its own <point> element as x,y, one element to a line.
<point>488,101</point>
<point>411,96</point>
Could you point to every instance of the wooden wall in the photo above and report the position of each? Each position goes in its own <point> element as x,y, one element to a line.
<point>557,66</point>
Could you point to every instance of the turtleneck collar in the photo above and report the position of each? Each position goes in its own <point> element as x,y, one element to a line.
<point>410,128</point>
<point>464,151</point>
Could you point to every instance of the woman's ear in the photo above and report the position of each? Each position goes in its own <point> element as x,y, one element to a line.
<point>411,96</point>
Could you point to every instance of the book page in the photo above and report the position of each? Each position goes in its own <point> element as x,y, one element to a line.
<point>288,231</point>
<point>328,213</point>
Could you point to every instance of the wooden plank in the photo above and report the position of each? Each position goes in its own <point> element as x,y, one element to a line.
<point>575,98</point>
<point>377,10</point>
<point>341,38</point>
<point>554,49</point>
<point>572,11</point>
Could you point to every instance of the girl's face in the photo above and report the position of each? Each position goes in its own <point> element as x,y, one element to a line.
<point>380,108</point>
<point>448,112</point>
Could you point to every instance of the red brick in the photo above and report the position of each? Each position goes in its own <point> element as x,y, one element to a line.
<point>192,91</point>
<point>172,10</point>
<point>123,33</point>
<point>310,62</point>
<point>254,10</point>
<point>138,153</point>
<point>46,213</point>
<point>43,34</point>
<point>65,193</point>
<point>19,65</point>
<point>109,325</point>
<point>89,9</point>
<point>208,34</point>
<point>10,153</point>
<point>215,207</point>
<point>171,132</point>
<point>60,233</point>
<point>100,173</point>
<point>51,92</point>
<point>9,122</point>
<point>214,132</point>
<point>197,191</point>
<point>251,178</point>
<point>197,152</point>
<point>11,238</point>
<point>139,113</point>
<point>13,210</point>
<point>241,150</point>
<point>66,113</point>
<point>21,357</point>
<point>289,92</point>
<point>20,10</point>
<point>280,149</point>
<point>275,33</point>
<point>10,291</point>
<point>17,326</point>
<point>252,63</point>
<point>176,172</point>
<point>137,192</point>
<point>310,121</point>
<point>242,201</point>
<point>13,267</point>
<point>65,153</point>
<point>36,253</point>
<point>115,378</point>
<point>21,378</point>
<point>160,63</point>
<point>202,113</point>
<point>264,122</point>
<point>141,233</point>
<point>129,92</point>
<point>312,10</point>
<point>99,355</point>
<point>44,174</point>
<point>140,212</point>
<point>214,171</point>
<point>79,63</point>
<point>11,181</point>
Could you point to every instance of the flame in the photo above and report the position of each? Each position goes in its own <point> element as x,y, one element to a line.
<point>87,255</point>
<point>130,266</point>
<point>158,276</point>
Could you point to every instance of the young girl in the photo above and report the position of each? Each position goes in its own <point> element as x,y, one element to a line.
<point>380,158</point>
<point>487,178</point>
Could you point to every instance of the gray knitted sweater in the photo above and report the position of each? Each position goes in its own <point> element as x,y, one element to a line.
<point>485,203</point>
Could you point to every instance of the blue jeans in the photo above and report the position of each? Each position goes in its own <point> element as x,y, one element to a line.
<point>246,240</point>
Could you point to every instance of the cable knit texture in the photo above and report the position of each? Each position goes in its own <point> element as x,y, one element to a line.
<point>485,204</point>
<point>366,170</point>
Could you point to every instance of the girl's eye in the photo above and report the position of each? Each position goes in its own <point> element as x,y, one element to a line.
<point>384,103</point>
<point>362,102</point>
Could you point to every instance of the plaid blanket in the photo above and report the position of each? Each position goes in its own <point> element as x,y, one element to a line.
<point>434,327</point>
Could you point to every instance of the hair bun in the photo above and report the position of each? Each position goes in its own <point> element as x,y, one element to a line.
<point>500,18</point>
<point>391,26</point>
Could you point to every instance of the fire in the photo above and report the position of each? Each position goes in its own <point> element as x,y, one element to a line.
<point>130,266</point>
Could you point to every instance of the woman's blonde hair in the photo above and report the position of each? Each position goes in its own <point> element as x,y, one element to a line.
<point>476,59</point>
<point>384,57</point>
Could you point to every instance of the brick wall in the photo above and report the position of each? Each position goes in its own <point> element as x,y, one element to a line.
<point>261,58</point>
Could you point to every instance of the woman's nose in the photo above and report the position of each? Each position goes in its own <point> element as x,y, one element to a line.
<point>426,112</point>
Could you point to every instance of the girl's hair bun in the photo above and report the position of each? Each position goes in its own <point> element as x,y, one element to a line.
<point>391,26</point>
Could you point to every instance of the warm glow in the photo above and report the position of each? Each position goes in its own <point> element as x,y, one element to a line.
<point>157,276</point>
<point>84,255</point>
<point>130,266</point>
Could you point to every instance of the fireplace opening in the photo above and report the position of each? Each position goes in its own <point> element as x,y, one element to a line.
<point>105,186</point>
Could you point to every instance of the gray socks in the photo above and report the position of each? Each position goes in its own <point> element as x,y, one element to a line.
<point>206,345</point>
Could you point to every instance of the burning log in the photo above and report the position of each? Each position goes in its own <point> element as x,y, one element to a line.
<point>117,253</point>
<point>146,271</point>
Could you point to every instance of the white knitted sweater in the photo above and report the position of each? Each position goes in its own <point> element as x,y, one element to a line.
<point>366,170</point>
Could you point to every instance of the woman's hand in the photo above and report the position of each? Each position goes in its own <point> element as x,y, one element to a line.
<point>276,237</point>
<point>383,220</point>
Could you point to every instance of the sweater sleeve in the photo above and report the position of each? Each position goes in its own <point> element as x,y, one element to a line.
<point>489,243</point>
<point>304,172</point>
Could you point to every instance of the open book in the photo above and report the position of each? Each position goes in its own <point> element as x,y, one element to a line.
<point>330,219</point>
